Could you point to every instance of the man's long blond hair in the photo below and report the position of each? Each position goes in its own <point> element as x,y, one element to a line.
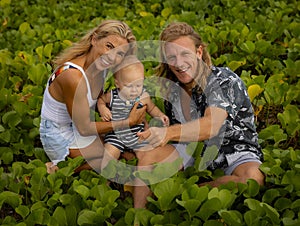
<point>84,45</point>
<point>172,32</point>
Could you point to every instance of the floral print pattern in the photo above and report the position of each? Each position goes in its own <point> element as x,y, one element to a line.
<point>225,90</point>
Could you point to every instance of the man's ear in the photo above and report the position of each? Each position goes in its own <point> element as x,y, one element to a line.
<point>199,52</point>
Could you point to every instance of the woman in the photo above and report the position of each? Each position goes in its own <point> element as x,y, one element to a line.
<point>66,128</point>
<point>204,103</point>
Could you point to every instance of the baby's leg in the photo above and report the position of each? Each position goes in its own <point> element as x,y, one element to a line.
<point>111,152</point>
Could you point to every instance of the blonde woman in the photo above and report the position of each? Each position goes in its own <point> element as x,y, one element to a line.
<point>66,128</point>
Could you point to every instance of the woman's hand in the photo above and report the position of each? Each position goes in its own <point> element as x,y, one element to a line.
<point>156,136</point>
<point>137,115</point>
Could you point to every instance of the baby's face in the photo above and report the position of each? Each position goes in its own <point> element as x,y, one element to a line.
<point>130,82</point>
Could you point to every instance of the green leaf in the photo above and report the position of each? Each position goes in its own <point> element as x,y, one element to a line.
<point>2,129</point>
<point>130,216</point>
<point>270,195</point>
<point>209,207</point>
<point>87,217</point>
<point>254,205</point>
<point>66,199</point>
<point>295,204</point>
<point>253,188</point>
<point>8,156</point>
<point>252,217</point>
<point>166,191</point>
<point>208,223</point>
<point>190,205</point>
<point>24,27</point>
<point>83,191</point>
<point>39,51</point>
<point>71,213</point>
<point>110,197</point>
<point>10,198</point>
<point>282,204</point>
<point>38,216</point>
<point>291,177</point>
<point>157,219</point>
<point>254,90</point>
<point>23,211</point>
<point>161,171</point>
<point>290,221</point>
<point>210,154</point>
<point>166,12</point>
<point>271,213</point>
<point>195,192</point>
<point>36,73</point>
<point>290,119</point>
<point>38,188</point>
<point>5,136</point>
<point>273,132</point>
<point>60,216</point>
<point>143,216</point>
<point>231,217</point>
<point>263,46</point>
<point>110,170</point>
<point>233,65</point>
<point>11,118</point>
<point>248,46</point>
<point>48,50</point>
<point>21,108</point>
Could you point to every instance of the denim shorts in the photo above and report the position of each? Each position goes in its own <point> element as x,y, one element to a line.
<point>236,159</point>
<point>233,160</point>
<point>56,139</point>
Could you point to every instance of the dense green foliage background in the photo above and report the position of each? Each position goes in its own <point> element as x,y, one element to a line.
<point>259,40</point>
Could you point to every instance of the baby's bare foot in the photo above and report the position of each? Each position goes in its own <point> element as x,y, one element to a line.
<point>51,168</point>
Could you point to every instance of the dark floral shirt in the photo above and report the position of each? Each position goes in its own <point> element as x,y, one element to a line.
<point>224,90</point>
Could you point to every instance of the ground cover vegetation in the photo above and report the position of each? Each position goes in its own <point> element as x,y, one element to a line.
<point>259,40</point>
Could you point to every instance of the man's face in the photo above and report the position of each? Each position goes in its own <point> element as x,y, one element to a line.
<point>182,57</point>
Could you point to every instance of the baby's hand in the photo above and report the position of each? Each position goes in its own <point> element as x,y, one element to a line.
<point>165,120</point>
<point>105,114</point>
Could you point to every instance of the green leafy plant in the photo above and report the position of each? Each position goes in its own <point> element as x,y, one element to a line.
<point>259,40</point>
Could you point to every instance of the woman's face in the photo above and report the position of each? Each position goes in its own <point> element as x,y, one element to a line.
<point>182,57</point>
<point>109,51</point>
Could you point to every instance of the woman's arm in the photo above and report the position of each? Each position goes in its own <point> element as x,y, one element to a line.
<point>74,92</point>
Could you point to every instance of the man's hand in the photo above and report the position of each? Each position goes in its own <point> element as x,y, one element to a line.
<point>156,136</point>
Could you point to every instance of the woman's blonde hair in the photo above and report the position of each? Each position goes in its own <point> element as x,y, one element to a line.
<point>174,31</point>
<point>106,28</point>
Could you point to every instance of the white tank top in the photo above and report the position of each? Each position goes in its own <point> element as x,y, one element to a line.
<point>56,111</point>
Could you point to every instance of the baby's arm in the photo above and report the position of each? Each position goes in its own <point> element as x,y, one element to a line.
<point>153,110</point>
<point>104,111</point>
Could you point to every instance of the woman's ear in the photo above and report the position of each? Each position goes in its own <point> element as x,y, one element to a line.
<point>94,40</point>
<point>199,52</point>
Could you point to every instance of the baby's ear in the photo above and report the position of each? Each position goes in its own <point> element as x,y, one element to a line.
<point>117,83</point>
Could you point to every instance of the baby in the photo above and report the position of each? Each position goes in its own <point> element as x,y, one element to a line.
<point>116,105</point>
